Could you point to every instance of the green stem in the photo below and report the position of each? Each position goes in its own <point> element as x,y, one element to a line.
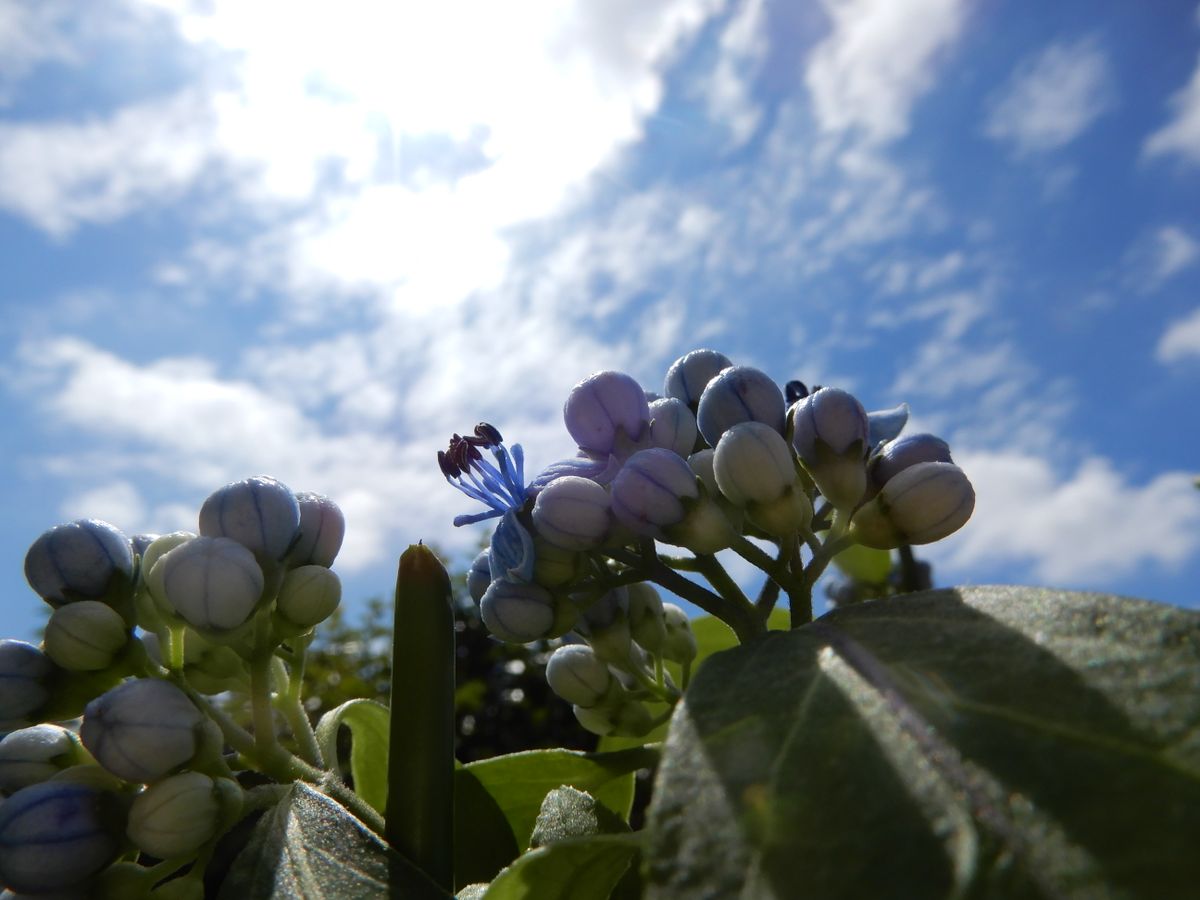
<point>835,542</point>
<point>287,701</point>
<point>710,567</point>
<point>419,815</point>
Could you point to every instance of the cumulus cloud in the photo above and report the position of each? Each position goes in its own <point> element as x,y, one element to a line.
<point>878,60</point>
<point>1181,340</point>
<point>1074,529</point>
<point>1052,98</point>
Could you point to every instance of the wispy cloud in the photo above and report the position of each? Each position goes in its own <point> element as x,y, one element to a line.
<point>1159,256</point>
<point>743,46</point>
<point>1180,136</point>
<point>1181,340</point>
<point>1052,98</point>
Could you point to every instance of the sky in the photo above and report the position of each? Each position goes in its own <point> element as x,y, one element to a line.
<point>313,240</point>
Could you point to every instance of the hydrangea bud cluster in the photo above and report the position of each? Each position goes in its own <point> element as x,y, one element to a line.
<point>113,743</point>
<point>723,455</point>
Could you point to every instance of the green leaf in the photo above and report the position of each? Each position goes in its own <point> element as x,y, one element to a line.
<point>309,846</point>
<point>483,839</point>
<point>985,742</point>
<point>712,636</point>
<point>865,563</point>
<point>368,724</point>
<point>519,782</point>
<point>585,868</point>
<point>570,813</point>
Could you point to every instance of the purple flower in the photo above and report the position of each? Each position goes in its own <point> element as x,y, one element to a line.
<point>499,487</point>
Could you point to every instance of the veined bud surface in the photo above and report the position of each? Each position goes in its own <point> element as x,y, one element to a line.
<point>647,625</point>
<point>214,583</point>
<point>86,636</point>
<point>479,576</point>
<point>142,730</point>
<point>921,504</point>
<point>672,426</point>
<point>32,755</point>
<point>517,613</point>
<point>605,625</point>
<point>24,670</point>
<point>178,815</point>
<point>627,718</point>
<point>511,551</point>
<point>649,491</point>
<point>600,469</point>
<point>754,470</point>
<point>739,394</point>
<point>83,560</point>
<point>903,453</point>
<point>56,835</point>
<point>322,529</point>
<point>260,513</point>
<point>309,595</point>
<point>680,642</point>
<point>606,410</point>
<point>689,375</point>
<point>573,513</point>
<point>577,675</point>
<point>831,438</point>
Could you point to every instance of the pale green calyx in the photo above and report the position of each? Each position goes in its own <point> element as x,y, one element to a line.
<point>86,636</point>
<point>178,815</point>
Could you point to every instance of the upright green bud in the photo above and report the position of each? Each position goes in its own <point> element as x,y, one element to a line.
<point>754,470</point>
<point>680,643</point>
<point>605,625</point>
<point>34,754</point>
<point>627,718</point>
<point>178,815</point>
<point>142,730</point>
<point>830,434</point>
<point>309,595</point>
<point>86,636</point>
<point>552,565</point>
<point>646,622</point>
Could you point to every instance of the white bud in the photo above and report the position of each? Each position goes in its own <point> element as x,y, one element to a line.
<point>215,584</point>
<point>34,754</point>
<point>680,643</point>
<point>322,529</point>
<point>309,595</point>
<point>178,815</point>
<point>577,675</point>
<point>672,426</point>
<point>646,622</point>
<point>573,513</point>
<point>921,504</point>
<point>754,469</point>
<point>142,729</point>
<point>739,394</point>
<point>517,613</point>
<point>259,513</point>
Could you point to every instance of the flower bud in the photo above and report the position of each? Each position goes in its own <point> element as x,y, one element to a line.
<point>85,637</point>
<point>649,491</point>
<point>57,835</point>
<point>214,583</point>
<point>309,595</point>
<point>680,643</point>
<point>896,456</point>
<point>322,528</point>
<point>921,504</point>
<point>577,675</point>
<point>646,622</point>
<point>605,412</point>
<point>142,729</point>
<point>602,470</point>
<point>259,513</point>
<point>553,566</point>
<point>573,513</point>
<point>628,719</point>
<point>754,470</point>
<point>517,613</point>
<point>830,436</point>
<point>178,815</point>
<point>84,560</point>
<point>24,671</point>
<point>32,755</point>
<point>672,426</point>
<point>209,668</point>
<point>605,625</point>
<point>690,374</point>
<point>739,394</point>
<point>479,576</point>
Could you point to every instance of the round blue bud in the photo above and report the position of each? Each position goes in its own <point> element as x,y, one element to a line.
<point>479,576</point>
<point>517,613</point>
<point>831,438</point>
<point>322,529</point>
<point>84,560</point>
<point>215,584</point>
<point>672,426</point>
<point>32,755</point>
<point>573,513</point>
<point>648,492</point>
<point>690,374</point>
<point>896,456</point>
<point>260,513</point>
<point>24,671</point>
<point>601,470</point>
<point>142,730</point>
<point>606,410</point>
<point>57,835</point>
<point>739,394</point>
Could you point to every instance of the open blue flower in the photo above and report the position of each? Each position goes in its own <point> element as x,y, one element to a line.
<point>500,487</point>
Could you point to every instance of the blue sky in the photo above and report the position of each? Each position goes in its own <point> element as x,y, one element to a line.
<point>312,240</point>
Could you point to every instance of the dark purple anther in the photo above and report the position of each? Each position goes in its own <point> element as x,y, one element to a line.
<point>794,390</point>
<point>449,469</point>
<point>488,435</point>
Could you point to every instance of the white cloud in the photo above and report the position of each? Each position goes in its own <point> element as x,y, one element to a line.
<point>1175,250</point>
<point>29,35</point>
<point>866,76</point>
<point>1181,135</point>
<point>1052,98</point>
<point>1181,340</point>
<point>1076,531</point>
<point>743,46</point>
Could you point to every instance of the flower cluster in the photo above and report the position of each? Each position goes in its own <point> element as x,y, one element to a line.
<point>143,631</point>
<point>722,456</point>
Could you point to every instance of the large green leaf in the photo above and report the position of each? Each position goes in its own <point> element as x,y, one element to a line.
<point>483,839</point>
<point>368,724</point>
<point>308,846</point>
<point>519,782</point>
<point>986,742</point>
<point>586,868</point>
